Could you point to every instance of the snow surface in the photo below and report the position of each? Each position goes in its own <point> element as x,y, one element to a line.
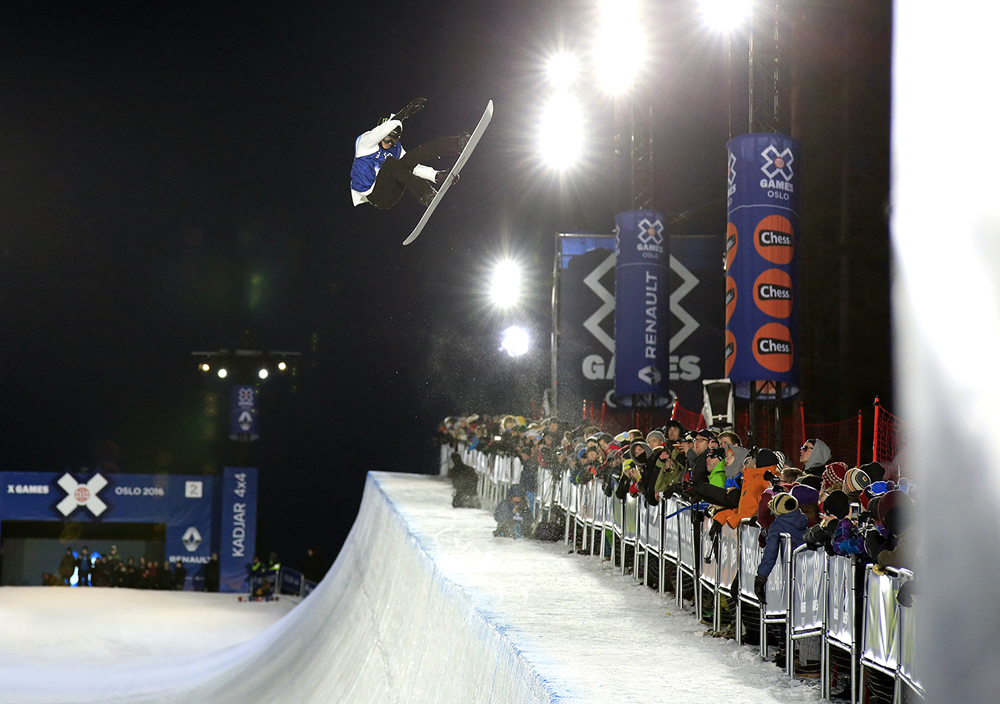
<point>422,605</point>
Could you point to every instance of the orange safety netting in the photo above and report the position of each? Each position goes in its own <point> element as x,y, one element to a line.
<point>691,420</point>
<point>889,440</point>
<point>843,437</point>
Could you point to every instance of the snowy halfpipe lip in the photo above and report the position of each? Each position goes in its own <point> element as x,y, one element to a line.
<point>424,605</point>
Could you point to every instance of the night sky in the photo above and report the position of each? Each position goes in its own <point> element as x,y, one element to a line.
<point>174,174</point>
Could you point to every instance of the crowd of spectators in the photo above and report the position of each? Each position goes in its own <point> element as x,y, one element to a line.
<point>817,500</point>
<point>111,570</point>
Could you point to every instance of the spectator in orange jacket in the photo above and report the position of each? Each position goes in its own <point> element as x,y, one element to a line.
<point>754,486</point>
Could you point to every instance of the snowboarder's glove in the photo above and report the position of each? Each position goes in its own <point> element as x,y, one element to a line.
<point>415,106</point>
<point>714,530</point>
<point>760,588</point>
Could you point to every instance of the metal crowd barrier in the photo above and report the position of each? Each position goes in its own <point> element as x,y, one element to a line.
<point>838,620</point>
<point>810,593</point>
<point>283,580</point>
<point>687,563</point>
<point>806,596</point>
<point>887,631</point>
<point>670,551</point>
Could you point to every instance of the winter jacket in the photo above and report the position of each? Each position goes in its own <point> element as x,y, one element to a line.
<point>794,524</point>
<point>754,485</point>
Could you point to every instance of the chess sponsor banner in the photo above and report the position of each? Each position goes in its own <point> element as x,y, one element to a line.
<point>762,261</point>
<point>585,359</point>
<point>238,534</point>
<point>182,503</point>
<point>642,305</point>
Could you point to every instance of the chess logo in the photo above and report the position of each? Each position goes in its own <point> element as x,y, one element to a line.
<point>778,163</point>
<point>78,494</point>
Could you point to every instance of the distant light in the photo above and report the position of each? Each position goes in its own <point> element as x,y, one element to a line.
<point>516,341</point>
<point>505,288</point>
<point>282,366</point>
<point>262,373</point>
<point>204,366</point>
<point>560,133</point>
<point>620,45</point>
<point>222,373</point>
<point>725,15</point>
<point>562,70</point>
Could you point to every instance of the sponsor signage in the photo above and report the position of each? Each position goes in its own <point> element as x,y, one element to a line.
<point>586,295</point>
<point>238,539</point>
<point>182,503</point>
<point>642,305</point>
<point>585,346</point>
<point>243,414</point>
<point>762,262</point>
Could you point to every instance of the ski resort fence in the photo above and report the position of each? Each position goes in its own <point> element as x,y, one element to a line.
<point>810,594</point>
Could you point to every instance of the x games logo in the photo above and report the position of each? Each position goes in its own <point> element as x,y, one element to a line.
<point>84,494</point>
<point>778,163</point>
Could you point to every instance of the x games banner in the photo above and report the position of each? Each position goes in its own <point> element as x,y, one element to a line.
<point>762,261</point>
<point>182,503</point>
<point>585,344</point>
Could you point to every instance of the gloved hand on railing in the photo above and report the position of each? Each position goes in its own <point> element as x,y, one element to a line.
<point>760,588</point>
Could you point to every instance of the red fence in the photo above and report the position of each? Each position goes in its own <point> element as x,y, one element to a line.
<point>889,439</point>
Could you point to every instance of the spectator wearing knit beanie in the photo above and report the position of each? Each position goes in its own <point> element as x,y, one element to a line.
<point>855,481</point>
<point>833,478</point>
<point>789,520</point>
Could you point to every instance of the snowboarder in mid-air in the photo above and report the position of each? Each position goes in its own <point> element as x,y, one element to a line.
<point>382,169</point>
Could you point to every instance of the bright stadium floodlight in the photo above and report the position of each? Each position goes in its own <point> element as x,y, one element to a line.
<point>262,373</point>
<point>282,366</point>
<point>505,288</point>
<point>620,45</point>
<point>562,70</point>
<point>204,366</point>
<point>560,133</point>
<point>223,373</point>
<point>516,341</point>
<point>725,15</point>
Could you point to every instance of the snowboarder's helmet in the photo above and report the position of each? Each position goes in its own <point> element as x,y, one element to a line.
<point>396,133</point>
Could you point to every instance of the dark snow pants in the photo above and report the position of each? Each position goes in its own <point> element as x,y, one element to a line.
<point>396,175</point>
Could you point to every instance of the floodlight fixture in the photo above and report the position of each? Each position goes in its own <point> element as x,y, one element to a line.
<point>562,70</point>
<point>560,132</point>
<point>725,15</point>
<point>619,46</point>
<point>204,366</point>
<point>262,373</point>
<point>282,366</point>
<point>223,372</point>
<point>505,287</point>
<point>515,341</point>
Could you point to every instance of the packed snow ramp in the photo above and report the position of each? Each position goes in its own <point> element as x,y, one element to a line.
<point>422,605</point>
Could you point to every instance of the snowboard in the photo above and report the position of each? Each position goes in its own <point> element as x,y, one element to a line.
<point>484,122</point>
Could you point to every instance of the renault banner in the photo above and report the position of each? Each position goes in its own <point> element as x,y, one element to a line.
<point>762,262</point>
<point>642,305</point>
